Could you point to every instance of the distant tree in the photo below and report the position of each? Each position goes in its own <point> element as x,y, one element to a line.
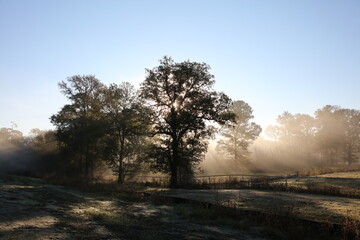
<point>11,136</point>
<point>127,123</point>
<point>45,149</point>
<point>182,99</point>
<point>239,135</point>
<point>352,135</point>
<point>274,132</point>
<point>332,137</point>
<point>43,140</point>
<point>351,146</point>
<point>296,127</point>
<point>338,134</point>
<point>295,135</point>
<point>16,157</point>
<point>330,134</point>
<point>79,123</point>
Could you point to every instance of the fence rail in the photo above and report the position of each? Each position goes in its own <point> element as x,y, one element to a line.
<point>233,180</point>
<point>209,179</point>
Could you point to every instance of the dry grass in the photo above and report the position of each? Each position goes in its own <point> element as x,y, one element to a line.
<point>351,225</point>
<point>345,184</point>
<point>38,211</point>
<point>330,170</point>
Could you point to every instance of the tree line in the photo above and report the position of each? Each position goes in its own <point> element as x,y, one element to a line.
<point>165,126</point>
<point>162,126</point>
<point>331,137</point>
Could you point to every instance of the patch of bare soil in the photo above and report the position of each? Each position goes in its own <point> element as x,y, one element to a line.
<point>35,210</point>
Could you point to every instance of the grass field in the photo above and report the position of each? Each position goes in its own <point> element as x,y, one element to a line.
<point>351,174</point>
<point>319,208</point>
<point>345,184</point>
<point>33,209</point>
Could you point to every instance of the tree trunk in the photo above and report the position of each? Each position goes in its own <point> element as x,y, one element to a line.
<point>349,155</point>
<point>235,152</point>
<point>121,176</point>
<point>120,173</point>
<point>87,164</point>
<point>91,168</point>
<point>174,164</point>
<point>87,170</point>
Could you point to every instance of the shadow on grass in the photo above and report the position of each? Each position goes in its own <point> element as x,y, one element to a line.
<point>298,216</point>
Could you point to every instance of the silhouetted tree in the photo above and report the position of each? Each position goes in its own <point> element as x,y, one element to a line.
<point>16,156</point>
<point>45,149</point>
<point>182,100</point>
<point>239,135</point>
<point>79,124</point>
<point>127,123</point>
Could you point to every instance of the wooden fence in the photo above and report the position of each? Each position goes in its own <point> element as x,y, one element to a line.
<point>230,180</point>
<point>215,180</point>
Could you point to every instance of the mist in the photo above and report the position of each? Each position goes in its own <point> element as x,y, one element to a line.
<point>34,155</point>
<point>17,158</point>
<point>298,142</point>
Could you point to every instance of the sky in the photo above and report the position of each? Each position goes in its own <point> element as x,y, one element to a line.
<point>277,56</point>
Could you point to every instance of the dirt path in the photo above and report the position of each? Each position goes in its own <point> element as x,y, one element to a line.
<point>34,210</point>
<point>306,206</point>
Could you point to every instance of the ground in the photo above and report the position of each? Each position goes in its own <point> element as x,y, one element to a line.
<point>311,207</point>
<point>31,209</point>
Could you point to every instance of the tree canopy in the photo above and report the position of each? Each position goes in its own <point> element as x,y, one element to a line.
<point>79,123</point>
<point>165,126</point>
<point>127,122</point>
<point>330,137</point>
<point>238,135</point>
<point>182,98</point>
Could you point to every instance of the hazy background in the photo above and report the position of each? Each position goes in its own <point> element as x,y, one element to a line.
<point>275,55</point>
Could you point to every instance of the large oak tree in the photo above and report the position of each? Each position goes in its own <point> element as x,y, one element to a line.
<point>183,100</point>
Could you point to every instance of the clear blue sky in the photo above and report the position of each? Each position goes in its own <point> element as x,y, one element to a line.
<point>276,55</point>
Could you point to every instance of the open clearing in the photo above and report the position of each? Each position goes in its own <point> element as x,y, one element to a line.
<point>313,207</point>
<point>305,206</point>
<point>31,209</point>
